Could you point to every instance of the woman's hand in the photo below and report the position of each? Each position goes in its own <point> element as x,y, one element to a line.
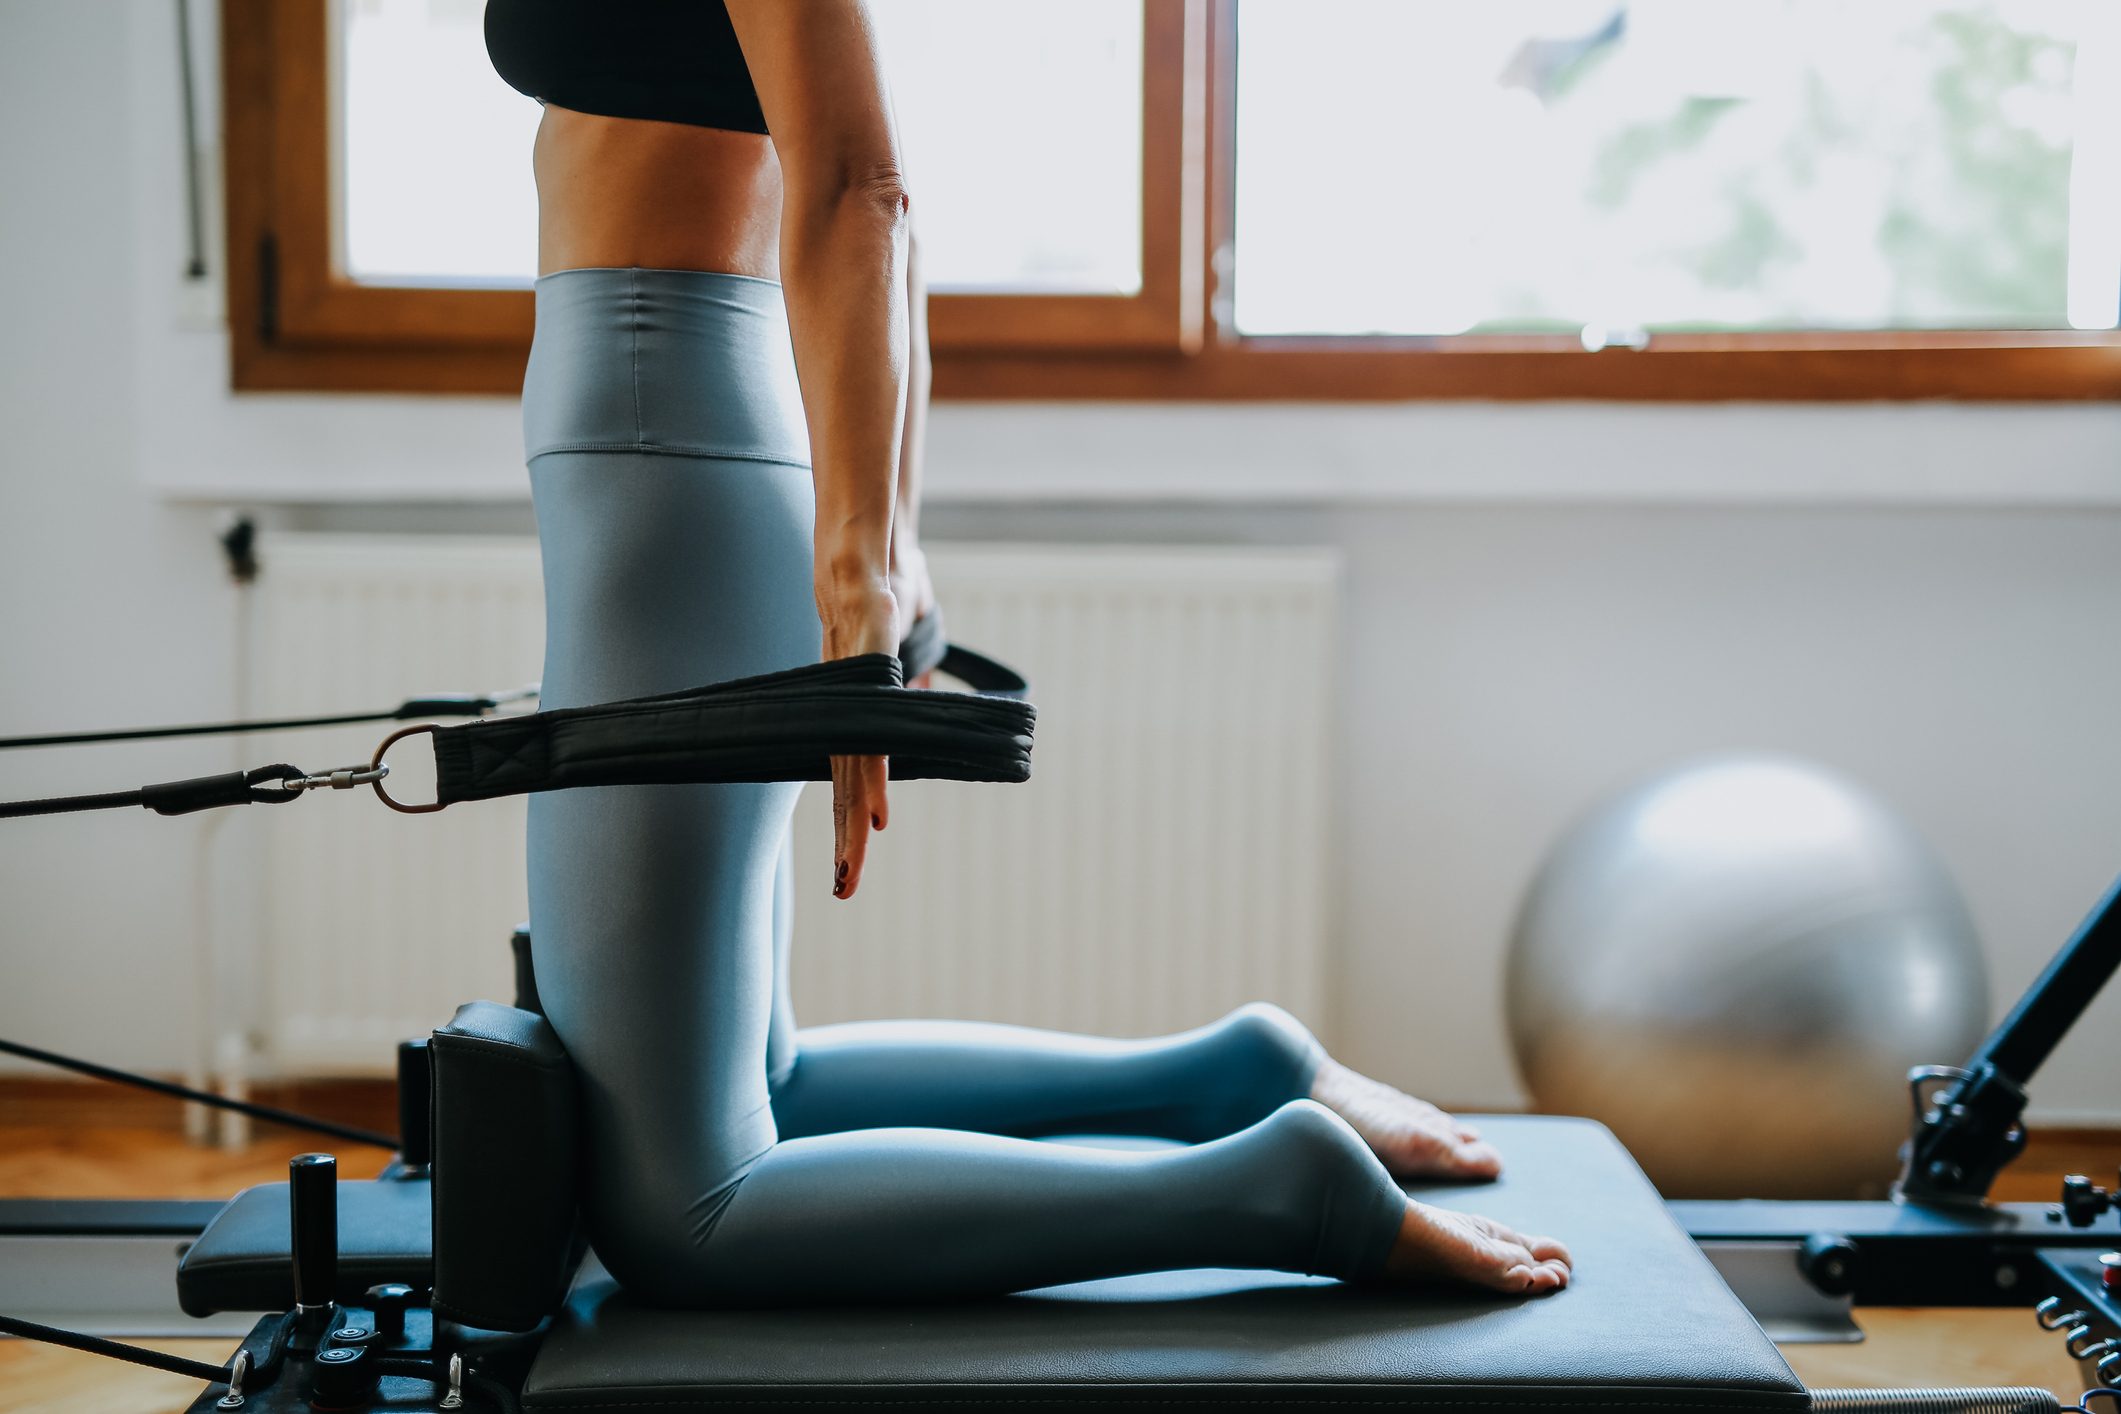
<point>859,619</point>
<point>912,590</point>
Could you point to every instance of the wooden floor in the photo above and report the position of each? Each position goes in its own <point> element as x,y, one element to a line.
<point>139,1154</point>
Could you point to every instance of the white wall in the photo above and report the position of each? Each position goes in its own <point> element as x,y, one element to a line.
<point>1542,600</point>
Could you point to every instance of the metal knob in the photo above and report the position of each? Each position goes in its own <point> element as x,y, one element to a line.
<point>343,1377</point>
<point>2083,1201</point>
<point>389,1301</point>
<point>1828,1262</point>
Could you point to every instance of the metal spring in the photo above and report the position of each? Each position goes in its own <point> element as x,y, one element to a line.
<point>1936,1401</point>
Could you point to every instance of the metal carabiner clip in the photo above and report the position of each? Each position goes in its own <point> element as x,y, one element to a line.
<point>345,778</point>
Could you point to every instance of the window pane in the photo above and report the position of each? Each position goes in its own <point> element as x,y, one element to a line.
<point>1622,165</point>
<point>1022,127</point>
<point>1022,133</point>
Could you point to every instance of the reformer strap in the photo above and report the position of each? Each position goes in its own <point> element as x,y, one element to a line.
<point>927,649</point>
<point>782,726</point>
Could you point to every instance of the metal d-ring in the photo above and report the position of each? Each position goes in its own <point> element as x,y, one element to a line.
<point>376,763</point>
<point>2078,1341</point>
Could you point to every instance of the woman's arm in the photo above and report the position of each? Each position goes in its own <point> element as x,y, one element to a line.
<point>843,265</point>
<point>909,567</point>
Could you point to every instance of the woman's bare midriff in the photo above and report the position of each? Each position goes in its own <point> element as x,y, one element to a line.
<point>664,196</point>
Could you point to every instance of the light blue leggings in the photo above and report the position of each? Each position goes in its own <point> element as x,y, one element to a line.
<point>731,1158</point>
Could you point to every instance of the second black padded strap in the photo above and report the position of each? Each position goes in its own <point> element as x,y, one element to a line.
<point>927,649</point>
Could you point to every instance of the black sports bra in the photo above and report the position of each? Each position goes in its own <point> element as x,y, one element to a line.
<point>672,60</point>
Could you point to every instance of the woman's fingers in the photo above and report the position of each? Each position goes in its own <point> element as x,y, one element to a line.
<point>876,771</point>
<point>858,806</point>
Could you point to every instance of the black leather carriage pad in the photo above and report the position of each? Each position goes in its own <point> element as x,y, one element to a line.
<point>1646,1325</point>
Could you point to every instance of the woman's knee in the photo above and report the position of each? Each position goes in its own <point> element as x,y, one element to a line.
<point>1313,1141</point>
<point>663,1251</point>
<point>1268,1053</point>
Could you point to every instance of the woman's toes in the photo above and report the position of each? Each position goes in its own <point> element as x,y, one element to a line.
<point>1413,1137</point>
<point>1479,1160</point>
<point>1439,1245</point>
<point>1546,1249</point>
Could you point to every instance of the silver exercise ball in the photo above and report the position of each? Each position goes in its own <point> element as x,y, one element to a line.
<point>1733,964</point>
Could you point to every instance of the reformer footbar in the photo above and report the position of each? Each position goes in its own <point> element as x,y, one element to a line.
<point>784,726</point>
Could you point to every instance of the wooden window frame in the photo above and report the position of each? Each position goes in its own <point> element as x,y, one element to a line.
<point>297,323</point>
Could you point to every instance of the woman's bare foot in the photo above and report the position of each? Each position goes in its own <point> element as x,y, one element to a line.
<point>1413,1137</point>
<point>1436,1244</point>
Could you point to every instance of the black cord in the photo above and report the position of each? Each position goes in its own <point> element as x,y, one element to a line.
<point>261,785</point>
<point>269,1113</point>
<point>441,704</point>
<point>266,1370</point>
<point>133,1354</point>
<point>68,804</point>
<point>202,729</point>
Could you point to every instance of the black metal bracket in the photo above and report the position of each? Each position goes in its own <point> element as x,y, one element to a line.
<point>1974,1127</point>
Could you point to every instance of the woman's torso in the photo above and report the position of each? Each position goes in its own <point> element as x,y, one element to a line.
<point>639,174</point>
<point>624,191</point>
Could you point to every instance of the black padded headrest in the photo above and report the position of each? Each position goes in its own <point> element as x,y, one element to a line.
<point>505,1178</point>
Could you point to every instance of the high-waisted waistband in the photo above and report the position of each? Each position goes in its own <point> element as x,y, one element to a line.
<point>682,362</point>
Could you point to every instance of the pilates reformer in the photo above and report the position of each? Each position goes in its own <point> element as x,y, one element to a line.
<point>458,1278</point>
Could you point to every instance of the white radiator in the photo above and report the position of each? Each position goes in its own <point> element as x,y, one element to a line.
<point>1165,864</point>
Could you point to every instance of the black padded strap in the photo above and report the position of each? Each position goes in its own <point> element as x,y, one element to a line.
<point>926,648</point>
<point>921,650</point>
<point>987,676</point>
<point>777,727</point>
